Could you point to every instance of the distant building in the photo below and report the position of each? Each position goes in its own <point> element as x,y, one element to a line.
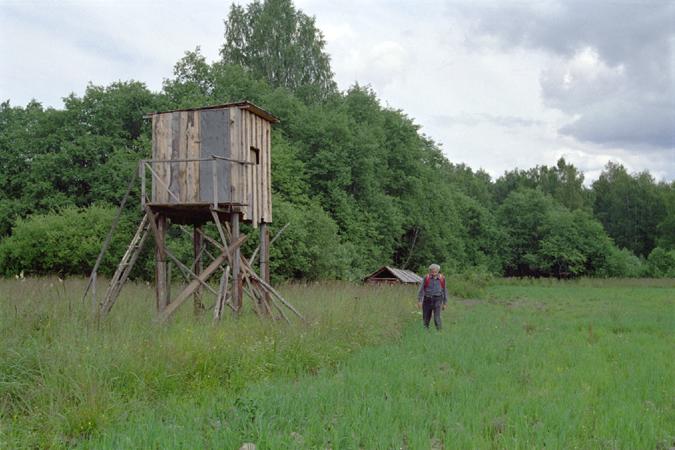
<point>391,275</point>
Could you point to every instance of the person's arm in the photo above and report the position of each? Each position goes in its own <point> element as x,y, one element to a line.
<point>445,291</point>
<point>420,292</point>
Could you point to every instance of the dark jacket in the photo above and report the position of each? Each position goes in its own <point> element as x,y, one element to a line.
<point>434,289</point>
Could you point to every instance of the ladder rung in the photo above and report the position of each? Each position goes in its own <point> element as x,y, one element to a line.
<point>123,267</point>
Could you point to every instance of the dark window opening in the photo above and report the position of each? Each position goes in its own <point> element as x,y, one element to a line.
<point>255,155</point>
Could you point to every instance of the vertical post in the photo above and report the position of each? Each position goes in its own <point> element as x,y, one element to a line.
<point>142,175</point>
<point>197,244</point>
<point>93,290</point>
<point>214,175</point>
<point>153,189</point>
<point>265,257</point>
<point>237,287</point>
<point>169,265</point>
<point>161,275</point>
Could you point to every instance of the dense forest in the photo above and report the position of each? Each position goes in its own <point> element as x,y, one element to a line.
<point>359,183</point>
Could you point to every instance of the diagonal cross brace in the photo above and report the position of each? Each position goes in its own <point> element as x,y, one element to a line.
<point>194,284</point>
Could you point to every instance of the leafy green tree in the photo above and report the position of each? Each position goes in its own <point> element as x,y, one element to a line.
<point>559,253</point>
<point>629,207</point>
<point>573,244</point>
<point>193,83</point>
<point>85,153</point>
<point>623,263</point>
<point>563,182</point>
<point>279,44</point>
<point>593,242</point>
<point>115,111</point>
<point>310,248</point>
<point>543,238</point>
<point>666,228</point>
<point>521,217</point>
<point>511,181</point>
<point>477,185</point>
<point>661,263</point>
<point>481,236</point>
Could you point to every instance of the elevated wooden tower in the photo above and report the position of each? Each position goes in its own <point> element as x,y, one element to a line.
<point>210,164</point>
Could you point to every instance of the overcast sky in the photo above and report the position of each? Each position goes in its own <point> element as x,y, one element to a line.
<point>498,84</point>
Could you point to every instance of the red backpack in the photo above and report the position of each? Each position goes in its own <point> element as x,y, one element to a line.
<point>427,279</point>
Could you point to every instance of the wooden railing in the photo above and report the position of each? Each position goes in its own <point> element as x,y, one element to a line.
<point>146,164</point>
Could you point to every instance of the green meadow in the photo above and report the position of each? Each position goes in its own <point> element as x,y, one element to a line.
<point>519,364</point>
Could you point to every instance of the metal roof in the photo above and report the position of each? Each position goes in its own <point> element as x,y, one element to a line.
<point>243,105</point>
<point>405,276</point>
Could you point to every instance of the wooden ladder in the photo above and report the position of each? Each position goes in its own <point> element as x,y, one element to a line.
<point>125,266</point>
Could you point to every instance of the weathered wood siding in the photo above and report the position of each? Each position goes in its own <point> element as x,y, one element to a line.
<point>255,178</point>
<point>215,140</point>
<point>194,151</point>
<point>229,132</point>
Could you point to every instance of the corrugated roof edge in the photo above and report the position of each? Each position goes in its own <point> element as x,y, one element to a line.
<point>402,274</point>
<point>258,111</point>
<point>405,275</point>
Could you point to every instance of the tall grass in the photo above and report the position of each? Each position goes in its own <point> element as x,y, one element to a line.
<point>531,367</point>
<point>64,377</point>
<point>519,364</point>
<point>668,283</point>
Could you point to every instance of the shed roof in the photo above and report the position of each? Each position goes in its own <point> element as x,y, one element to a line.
<point>242,105</point>
<point>405,276</point>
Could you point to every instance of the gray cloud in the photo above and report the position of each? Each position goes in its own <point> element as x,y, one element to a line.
<point>499,85</point>
<point>472,120</point>
<point>614,68</point>
<point>619,121</point>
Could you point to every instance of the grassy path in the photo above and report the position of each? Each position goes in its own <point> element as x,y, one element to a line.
<point>563,366</point>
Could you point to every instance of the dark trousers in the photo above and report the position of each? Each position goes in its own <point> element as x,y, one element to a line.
<point>432,305</point>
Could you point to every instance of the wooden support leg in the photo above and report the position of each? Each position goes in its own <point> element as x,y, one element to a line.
<point>161,275</point>
<point>92,283</point>
<point>265,259</point>
<point>203,277</point>
<point>237,286</point>
<point>197,244</point>
<point>169,270</point>
<point>221,298</point>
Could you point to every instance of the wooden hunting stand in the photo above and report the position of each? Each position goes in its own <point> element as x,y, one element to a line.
<point>209,164</point>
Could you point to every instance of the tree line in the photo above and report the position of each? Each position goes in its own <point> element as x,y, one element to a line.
<point>358,181</point>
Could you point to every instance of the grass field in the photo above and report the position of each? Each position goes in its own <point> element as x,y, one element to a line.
<point>520,364</point>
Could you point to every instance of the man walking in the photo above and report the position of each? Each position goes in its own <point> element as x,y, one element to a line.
<point>432,296</point>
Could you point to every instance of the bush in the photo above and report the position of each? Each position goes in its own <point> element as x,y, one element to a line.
<point>661,263</point>
<point>66,242</point>
<point>546,239</point>
<point>469,284</point>
<point>622,263</point>
<point>310,248</point>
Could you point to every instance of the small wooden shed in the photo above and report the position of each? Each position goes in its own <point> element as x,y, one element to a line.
<point>392,275</point>
<point>212,156</point>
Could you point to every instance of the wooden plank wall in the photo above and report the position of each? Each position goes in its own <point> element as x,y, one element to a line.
<point>162,136</point>
<point>256,179</point>
<point>199,134</point>
<point>266,215</point>
<point>256,134</point>
<point>176,136</point>
<point>155,120</point>
<point>194,151</point>
<point>177,171</point>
